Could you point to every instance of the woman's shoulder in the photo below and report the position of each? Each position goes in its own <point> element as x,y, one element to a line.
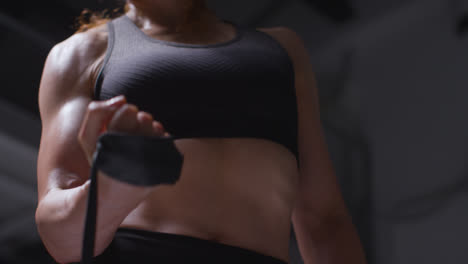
<point>83,46</point>
<point>290,41</point>
<point>77,58</point>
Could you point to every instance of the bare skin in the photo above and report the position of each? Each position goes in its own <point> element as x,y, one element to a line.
<point>237,191</point>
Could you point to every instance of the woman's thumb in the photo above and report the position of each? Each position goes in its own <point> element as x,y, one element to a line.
<point>98,114</point>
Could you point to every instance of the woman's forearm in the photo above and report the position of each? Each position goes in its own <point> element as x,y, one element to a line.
<point>60,216</point>
<point>331,242</point>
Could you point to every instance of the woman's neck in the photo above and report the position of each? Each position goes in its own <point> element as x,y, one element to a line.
<point>171,15</point>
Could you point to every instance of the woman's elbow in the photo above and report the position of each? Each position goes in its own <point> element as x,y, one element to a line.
<point>61,246</point>
<point>62,235</point>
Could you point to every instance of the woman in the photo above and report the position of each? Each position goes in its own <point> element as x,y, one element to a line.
<point>237,192</point>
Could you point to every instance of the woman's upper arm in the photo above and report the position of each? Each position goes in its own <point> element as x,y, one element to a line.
<point>318,192</point>
<point>65,91</point>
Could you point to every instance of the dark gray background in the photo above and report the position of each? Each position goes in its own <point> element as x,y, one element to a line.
<point>393,84</point>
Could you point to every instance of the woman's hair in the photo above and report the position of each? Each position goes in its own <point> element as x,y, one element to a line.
<point>89,19</point>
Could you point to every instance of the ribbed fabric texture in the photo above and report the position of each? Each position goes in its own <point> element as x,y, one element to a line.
<point>240,88</point>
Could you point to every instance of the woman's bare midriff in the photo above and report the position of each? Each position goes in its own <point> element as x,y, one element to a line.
<point>236,191</point>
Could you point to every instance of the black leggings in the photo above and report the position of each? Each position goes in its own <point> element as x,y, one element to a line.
<point>144,247</point>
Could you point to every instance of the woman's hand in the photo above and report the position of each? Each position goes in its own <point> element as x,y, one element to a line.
<point>116,115</point>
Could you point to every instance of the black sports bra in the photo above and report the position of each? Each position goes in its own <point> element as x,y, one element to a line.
<point>240,88</point>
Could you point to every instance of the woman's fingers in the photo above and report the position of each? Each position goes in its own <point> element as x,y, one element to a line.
<point>130,120</point>
<point>115,115</point>
<point>125,120</point>
<point>159,129</point>
<point>145,120</point>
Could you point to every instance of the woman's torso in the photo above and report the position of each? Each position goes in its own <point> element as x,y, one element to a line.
<point>236,191</point>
